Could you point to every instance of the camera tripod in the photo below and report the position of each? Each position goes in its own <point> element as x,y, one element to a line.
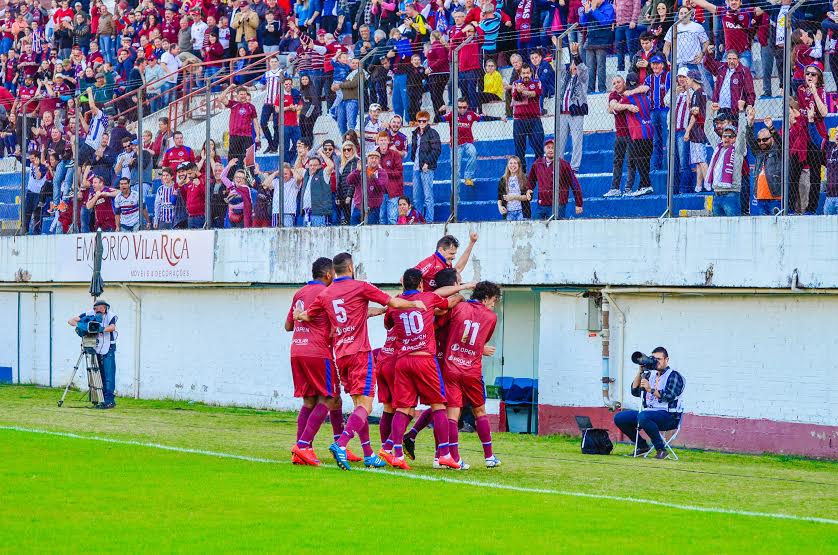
<point>95,390</point>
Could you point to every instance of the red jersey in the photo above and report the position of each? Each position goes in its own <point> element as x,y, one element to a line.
<point>415,328</point>
<point>311,339</point>
<point>290,118</point>
<point>398,140</point>
<point>737,27</point>
<point>242,116</point>
<point>176,156</point>
<point>388,350</point>
<point>61,13</point>
<point>196,194</point>
<point>345,302</point>
<point>620,123</point>
<point>429,268</point>
<point>471,327</point>
<point>28,64</point>
<point>24,95</point>
<point>464,123</point>
<point>103,210</point>
<point>805,98</point>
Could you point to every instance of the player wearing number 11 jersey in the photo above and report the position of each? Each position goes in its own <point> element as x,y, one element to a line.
<point>345,302</point>
<point>418,375</point>
<point>470,328</point>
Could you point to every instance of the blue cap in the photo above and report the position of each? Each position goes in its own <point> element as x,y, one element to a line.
<point>657,59</point>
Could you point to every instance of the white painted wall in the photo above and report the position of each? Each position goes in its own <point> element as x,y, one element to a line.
<point>770,357</point>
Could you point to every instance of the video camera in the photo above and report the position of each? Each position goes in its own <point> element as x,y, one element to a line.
<point>643,360</point>
<point>89,325</point>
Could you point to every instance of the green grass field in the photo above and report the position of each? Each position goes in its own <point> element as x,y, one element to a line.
<point>69,493</point>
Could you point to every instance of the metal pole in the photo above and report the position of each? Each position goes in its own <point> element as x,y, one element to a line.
<point>280,141</point>
<point>787,71</point>
<point>140,192</point>
<point>455,131</point>
<point>76,226</point>
<point>558,155</point>
<point>23,154</point>
<point>673,98</point>
<point>362,83</point>
<point>207,159</point>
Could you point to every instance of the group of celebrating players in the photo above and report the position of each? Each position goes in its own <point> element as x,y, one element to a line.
<point>433,354</point>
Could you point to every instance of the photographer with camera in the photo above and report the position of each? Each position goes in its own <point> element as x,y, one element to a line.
<point>660,388</point>
<point>105,347</point>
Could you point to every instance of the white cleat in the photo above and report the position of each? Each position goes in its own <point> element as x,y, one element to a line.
<point>463,465</point>
<point>436,463</point>
<point>492,462</point>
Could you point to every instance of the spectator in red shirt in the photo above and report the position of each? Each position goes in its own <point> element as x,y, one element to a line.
<point>407,214</point>
<point>739,26</point>
<point>178,154</point>
<point>100,200</point>
<point>526,110</point>
<point>196,193</point>
<point>243,123</point>
<point>391,161</point>
<point>541,175</point>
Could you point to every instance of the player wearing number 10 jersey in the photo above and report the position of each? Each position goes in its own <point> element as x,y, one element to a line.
<point>470,328</point>
<point>418,375</point>
<point>346,302</point>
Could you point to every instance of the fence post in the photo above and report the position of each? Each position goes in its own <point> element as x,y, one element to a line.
<point>140,173</point>
<point>362,87</point>
<point>455,131</point>
<point>788,72</point>
<point>558,155</point>
<point>24,138</point>
<point>207,159</point>
<point>671,139</point>
<point>281,153</point>
<point>77,173</point>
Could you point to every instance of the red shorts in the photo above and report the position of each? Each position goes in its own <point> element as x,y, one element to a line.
<point>357,374</point>
<point>461,388</point>
<point>418,376</point>
<point>314,376</point>
<point>385,378</point>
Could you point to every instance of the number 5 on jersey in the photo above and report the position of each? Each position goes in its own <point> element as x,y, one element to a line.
<point>340,311</point>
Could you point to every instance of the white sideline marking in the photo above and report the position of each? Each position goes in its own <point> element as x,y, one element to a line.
<point>490,485</point>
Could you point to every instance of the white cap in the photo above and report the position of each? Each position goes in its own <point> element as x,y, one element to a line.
<point>683,72</point>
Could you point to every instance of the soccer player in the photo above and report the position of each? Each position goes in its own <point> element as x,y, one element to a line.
<point>470,328</point>
<point>446,251</point>
<point>345,302</point>
<point>312,367</point>
<point>418,375</point>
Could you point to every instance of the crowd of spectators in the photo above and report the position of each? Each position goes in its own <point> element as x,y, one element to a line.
<point>84,62</point>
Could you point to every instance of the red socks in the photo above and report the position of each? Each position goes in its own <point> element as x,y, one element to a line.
<point>484,432</point>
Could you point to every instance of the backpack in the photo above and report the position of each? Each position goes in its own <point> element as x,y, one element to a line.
<point>595,441</point>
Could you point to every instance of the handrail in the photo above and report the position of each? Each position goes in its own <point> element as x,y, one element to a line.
<point>182,69</point>
<point>177,116</point>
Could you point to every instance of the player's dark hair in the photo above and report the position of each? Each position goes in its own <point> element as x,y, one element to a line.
<point>321,267</point>
<point>447,242</point>
<point>446,277</point>
<point>411,279</point>
<point>341,262</point>
<point>485,290</point>
<point>662,351</point>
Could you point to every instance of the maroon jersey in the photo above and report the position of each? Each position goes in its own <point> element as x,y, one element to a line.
<point>415,327</point>
<point>242,116</point>
<point>388,350</point>
<point>311,339</point>
<point>805,99</point>
<point>429,268</point>
<point>737,27</point>
<point>464,123</point>
<point>471,327</point>
<point>103,210</point>
<point>345,302</point>
<point>620,123</point>
<point>398,140</point>
<point>24,95</point>
<point>28,64</point>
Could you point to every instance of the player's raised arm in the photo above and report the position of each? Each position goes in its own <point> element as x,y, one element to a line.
<point>372,312</point>
<point>461,263</point>
<point>450,290</point>
<point>397,302</point>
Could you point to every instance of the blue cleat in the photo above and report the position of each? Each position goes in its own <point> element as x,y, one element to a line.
<point>340,456</point>
<point>374,461</point>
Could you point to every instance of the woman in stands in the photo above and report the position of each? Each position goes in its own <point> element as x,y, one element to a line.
<point>513,194</point>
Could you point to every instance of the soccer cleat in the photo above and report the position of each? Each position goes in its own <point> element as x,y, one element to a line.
<point>492,462</point>
<point>386,455</point>
<point>399,462</point>
<point>612,193</point>
<point>436,463</point>
<point>306,455</point>
<point>374,461</point>
<point>352,457</point>
<point>448,462</point>
<point>340,456</point>
<point>463,465</point>
<point>295,459</point>
<point>409,446</point>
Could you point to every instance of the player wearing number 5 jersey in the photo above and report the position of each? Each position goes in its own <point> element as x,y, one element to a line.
<point>418,375</point>
<point>346,302</point>
<point>313,369</point>
<point>471,325</point>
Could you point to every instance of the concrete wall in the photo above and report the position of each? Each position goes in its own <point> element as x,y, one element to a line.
<point>714,252</point>
<point>759,369</point>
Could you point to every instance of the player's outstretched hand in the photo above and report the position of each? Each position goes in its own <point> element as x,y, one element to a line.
<point>420,305</point>
<point>489,350</point>
<point>470,285</point>
<point>372,312</point>
<point>472,236</point>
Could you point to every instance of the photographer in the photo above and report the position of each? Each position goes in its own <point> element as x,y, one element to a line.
<point>105,349</point>
<point>661,388</point>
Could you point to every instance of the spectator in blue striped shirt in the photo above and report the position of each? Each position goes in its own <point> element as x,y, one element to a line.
<point>659,84</point>
<point>164,201</point>
<point>128,208</point>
